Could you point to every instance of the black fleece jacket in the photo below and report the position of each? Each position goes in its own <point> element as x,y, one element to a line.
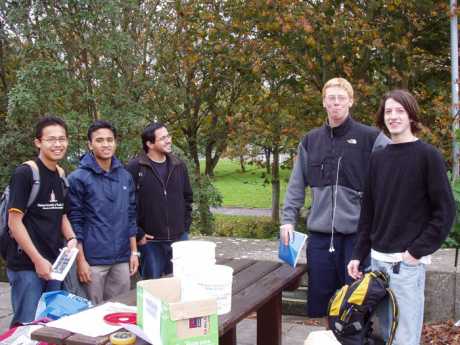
<point>408,202</point>
<point>163,208</point>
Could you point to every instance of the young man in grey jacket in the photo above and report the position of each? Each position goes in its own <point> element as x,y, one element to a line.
<point>332,160</point>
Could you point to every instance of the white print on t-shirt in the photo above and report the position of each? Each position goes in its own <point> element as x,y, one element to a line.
<point>52,196</point>
<point>53,204</point>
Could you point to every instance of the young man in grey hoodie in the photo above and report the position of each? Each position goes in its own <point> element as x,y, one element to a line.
<point>332,160</point>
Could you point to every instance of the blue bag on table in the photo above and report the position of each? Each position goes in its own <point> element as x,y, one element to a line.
<point>56,304</point>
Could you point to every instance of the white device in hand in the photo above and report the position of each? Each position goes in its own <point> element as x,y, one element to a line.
<point>63,263</point>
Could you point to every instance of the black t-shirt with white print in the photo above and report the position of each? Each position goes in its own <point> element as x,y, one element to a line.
<point>43,219</point>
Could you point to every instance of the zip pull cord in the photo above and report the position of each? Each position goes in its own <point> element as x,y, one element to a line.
<point>334,207</point>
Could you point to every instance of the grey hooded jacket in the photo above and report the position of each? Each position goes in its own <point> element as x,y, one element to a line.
<point>333,161</point>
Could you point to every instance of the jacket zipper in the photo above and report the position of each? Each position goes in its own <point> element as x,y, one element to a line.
<point>165,193</point>
<point>332,184</point>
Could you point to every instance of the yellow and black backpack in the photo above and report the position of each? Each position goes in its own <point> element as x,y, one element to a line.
<point>351,308</point>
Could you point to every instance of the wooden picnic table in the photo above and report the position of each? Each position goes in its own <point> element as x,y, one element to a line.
<point>257,287</point>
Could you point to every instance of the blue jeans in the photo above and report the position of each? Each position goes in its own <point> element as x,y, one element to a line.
<point>26,290</point>
<point>156,258</point>
<point>409,288</point>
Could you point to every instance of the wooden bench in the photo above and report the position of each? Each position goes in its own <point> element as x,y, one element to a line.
<point>257,287</point>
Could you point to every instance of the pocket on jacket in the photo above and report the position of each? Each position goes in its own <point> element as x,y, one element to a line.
<point>347,210</point>
<point>315,172</point>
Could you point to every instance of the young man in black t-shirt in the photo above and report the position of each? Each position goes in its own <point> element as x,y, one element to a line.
<point>408,210</point>
<point>40,232</point>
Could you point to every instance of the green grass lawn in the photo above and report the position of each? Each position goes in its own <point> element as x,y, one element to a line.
<point>250,189</point>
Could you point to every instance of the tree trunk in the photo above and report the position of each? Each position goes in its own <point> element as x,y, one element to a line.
<point>211,161</point>
<point>276,186</point>
<point>267,153</point>
<point>193,154</point>
<point>208,170</point>
<point>243,168</point>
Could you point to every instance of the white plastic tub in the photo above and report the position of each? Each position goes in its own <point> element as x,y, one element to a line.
<point>192,250</point>
<point>217,282</point>
<point>209,281</point>
<point>184,267</point>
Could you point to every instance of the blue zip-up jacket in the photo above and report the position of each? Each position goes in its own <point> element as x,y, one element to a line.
<point>102,210</point>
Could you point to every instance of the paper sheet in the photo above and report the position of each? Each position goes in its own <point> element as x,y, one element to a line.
<point>91,322</point>
<point>139,332</point>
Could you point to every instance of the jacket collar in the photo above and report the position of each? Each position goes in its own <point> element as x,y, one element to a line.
<point>89,162</point>
<point>341,130</point>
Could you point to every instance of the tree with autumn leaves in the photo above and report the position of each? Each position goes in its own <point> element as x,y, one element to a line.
<point>220,74</point>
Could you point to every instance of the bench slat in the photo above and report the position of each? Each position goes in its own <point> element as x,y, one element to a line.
<point>250,299</point>
<point>251,274</point>
<point>237,264</point>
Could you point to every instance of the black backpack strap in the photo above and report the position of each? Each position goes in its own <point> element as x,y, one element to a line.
<point>65,182</point>
<point>35,182</point>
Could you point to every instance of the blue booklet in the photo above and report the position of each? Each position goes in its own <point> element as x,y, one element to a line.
<point>290,253</point>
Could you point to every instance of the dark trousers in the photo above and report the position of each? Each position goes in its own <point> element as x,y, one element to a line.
<point>327,271</point>
<point>156,258</point>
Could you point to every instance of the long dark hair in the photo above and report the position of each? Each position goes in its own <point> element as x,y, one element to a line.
<point>409,103</point>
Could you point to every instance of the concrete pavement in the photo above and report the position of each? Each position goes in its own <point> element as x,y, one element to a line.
<point>5,307</point>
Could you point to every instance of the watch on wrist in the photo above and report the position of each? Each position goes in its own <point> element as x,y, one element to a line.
<point>138,254</point>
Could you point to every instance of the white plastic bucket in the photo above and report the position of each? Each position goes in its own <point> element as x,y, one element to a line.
<point>217,282</point>
<point>183,267</point>
<point>193,250</point>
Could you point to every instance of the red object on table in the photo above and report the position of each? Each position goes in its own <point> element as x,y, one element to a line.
<point>116,319</point>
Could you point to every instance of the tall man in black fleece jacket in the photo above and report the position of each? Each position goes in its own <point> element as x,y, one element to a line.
<point>332,160</point>
<point>408,210</point>
<point>164,201</point>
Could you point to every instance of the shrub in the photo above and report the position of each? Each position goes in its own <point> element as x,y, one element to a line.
<point>246,227</point>
<point>249,227</point>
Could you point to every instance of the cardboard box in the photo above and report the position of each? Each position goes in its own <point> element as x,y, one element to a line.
<point>167,321</point>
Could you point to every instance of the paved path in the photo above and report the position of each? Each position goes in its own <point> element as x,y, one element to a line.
<point>241,211</point>
<point>5,307</point>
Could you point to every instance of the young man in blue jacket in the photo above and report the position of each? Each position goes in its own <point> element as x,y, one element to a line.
<point>103,214</point>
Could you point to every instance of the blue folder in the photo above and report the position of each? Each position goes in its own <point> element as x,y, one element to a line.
<point>290,253</point>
